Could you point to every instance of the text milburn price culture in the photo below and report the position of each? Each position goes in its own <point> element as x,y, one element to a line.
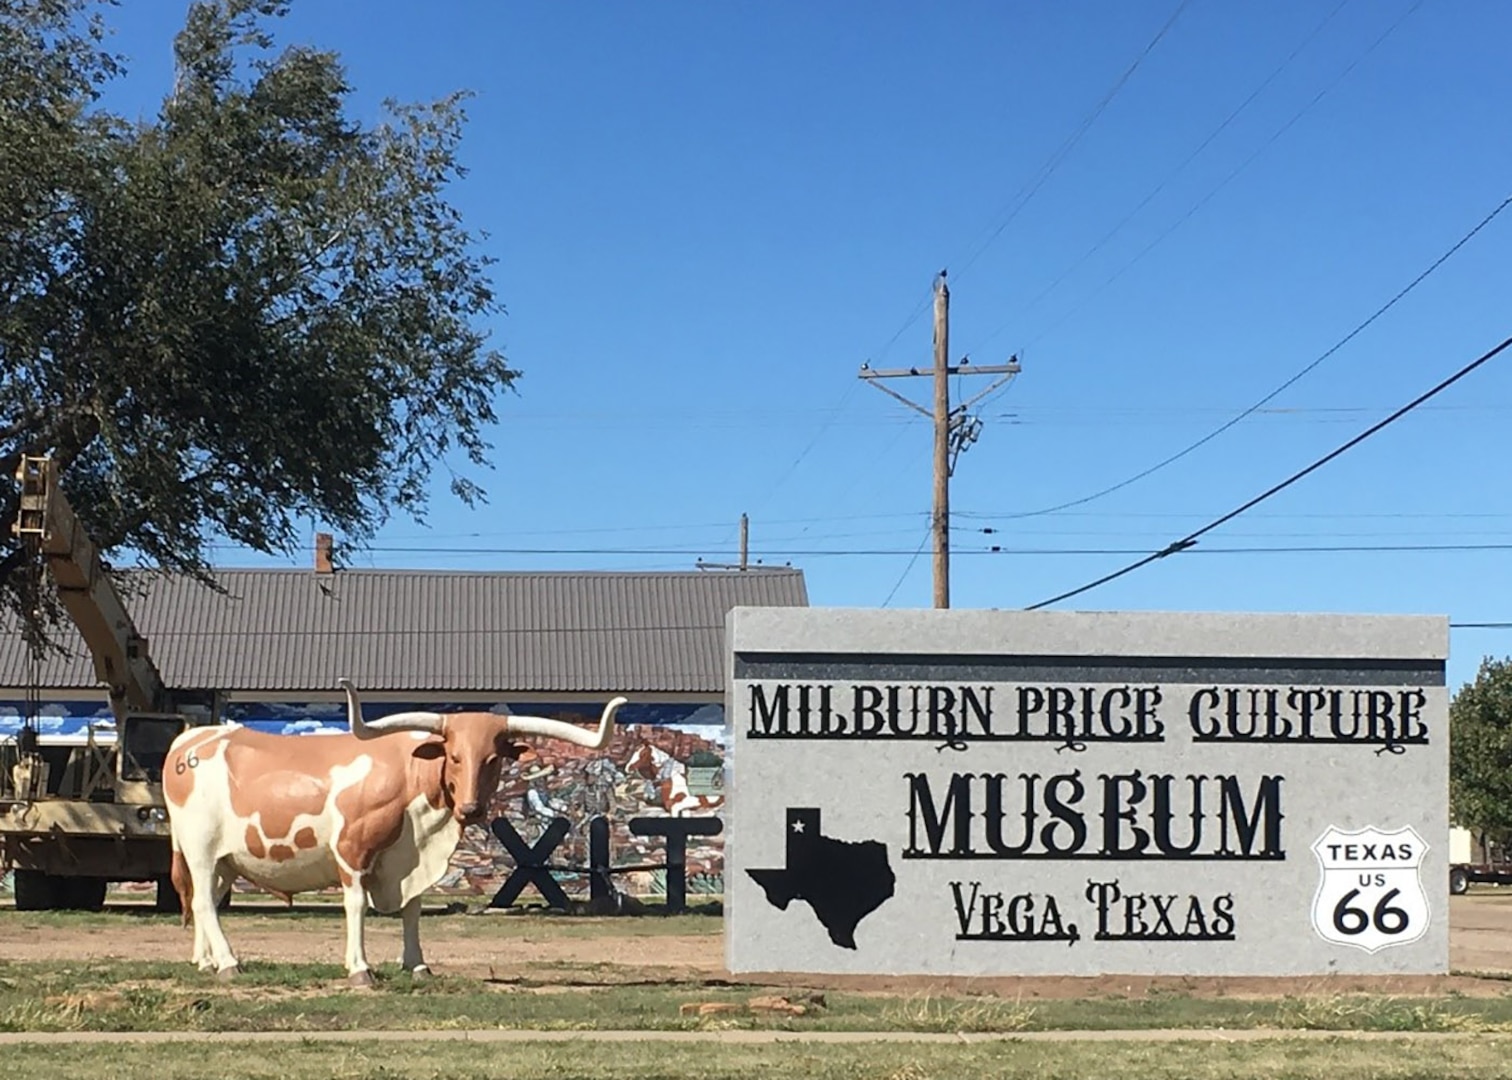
<point>959,713</point>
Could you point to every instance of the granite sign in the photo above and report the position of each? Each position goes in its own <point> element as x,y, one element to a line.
<point>983,792</point>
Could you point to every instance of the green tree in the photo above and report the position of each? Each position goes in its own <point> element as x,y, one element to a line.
<point>1480,752</point>
<point>244,311</point>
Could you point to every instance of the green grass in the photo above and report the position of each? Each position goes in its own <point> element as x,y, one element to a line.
<point>107,995</point>
<point>1271,1059</point>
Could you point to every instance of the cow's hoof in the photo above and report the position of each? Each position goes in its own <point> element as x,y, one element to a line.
<point>226,974</point>
<point>363,978</point>
<point>420,973</point>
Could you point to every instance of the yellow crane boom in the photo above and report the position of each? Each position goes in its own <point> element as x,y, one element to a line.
<point>86,591</point>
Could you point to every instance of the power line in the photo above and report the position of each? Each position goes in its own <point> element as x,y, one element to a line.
<point>804,453</point>
<point>1190,539</point>
<point>855,489</point>
<point>1273,417</point>
<point>1052,163</point>
<point>859,489</point>
<point>1346,339</point>
<point>773,545</point>
<point>911,515</point>
<point>1229,178</point>
<point>904,575</point>
<point>798,417</point>
<point>1161,186</point>
<point>635,528</point>
<point>1280,410</point>
<point>913,316</point>
<point>1414,515</point>
<point>1315,536</point>
<point>1262,549</point>
<point>991,550</point>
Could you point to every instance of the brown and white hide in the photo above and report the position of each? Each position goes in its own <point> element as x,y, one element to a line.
<point>378,811</point>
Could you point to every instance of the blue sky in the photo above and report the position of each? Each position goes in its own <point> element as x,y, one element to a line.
<point>707,216</point>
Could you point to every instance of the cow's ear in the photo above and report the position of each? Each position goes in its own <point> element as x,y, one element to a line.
<point>430,749</point>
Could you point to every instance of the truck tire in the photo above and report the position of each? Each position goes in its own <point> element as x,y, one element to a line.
<point>35,891</point>
<point>82,893</point>
<point>1459,881</point>
<point>167,902</point>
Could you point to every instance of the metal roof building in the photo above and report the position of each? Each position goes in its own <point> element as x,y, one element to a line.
<point>408,634</point>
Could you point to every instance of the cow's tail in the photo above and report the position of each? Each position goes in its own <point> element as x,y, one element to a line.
<point>183,884</point>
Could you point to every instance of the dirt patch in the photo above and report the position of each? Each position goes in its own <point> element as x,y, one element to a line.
<point>1061,987</point>
<point>457,944</point>
<point>1480,931</point>
<point>524,952</point>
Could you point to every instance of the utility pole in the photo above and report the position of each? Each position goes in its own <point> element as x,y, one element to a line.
<point>941,516</point>
<point>745,550</point>
<point>954,428</point>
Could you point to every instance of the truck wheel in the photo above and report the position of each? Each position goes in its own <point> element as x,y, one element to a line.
<point>82,893</point>
<point>168,903</point>
<point>1459,881</point>
<point>167,897</point>
<point>35,891</point>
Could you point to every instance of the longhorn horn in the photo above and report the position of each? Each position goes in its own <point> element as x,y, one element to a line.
<point>560,729</point>
<point>404,721</point>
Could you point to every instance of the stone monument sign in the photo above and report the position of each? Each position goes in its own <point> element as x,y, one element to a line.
<point>994,792</point>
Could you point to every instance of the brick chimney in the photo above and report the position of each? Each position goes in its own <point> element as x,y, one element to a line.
<point>323,563</point>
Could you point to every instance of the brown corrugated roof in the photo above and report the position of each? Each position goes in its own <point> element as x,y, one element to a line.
<point>401,630</point>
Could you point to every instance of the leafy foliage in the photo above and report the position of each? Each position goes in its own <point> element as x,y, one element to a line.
<point>1480,752</point>
<point>245,311</point>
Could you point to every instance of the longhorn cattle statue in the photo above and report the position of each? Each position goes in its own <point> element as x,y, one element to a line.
<point>378,811</point>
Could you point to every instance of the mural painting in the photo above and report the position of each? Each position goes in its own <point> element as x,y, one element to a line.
<point>645,771</point>
<point>664,759</point>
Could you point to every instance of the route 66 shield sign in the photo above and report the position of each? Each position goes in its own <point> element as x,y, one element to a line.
<point>1371,893</point>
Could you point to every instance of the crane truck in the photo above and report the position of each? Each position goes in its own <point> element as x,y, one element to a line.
<point>79,812</point>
